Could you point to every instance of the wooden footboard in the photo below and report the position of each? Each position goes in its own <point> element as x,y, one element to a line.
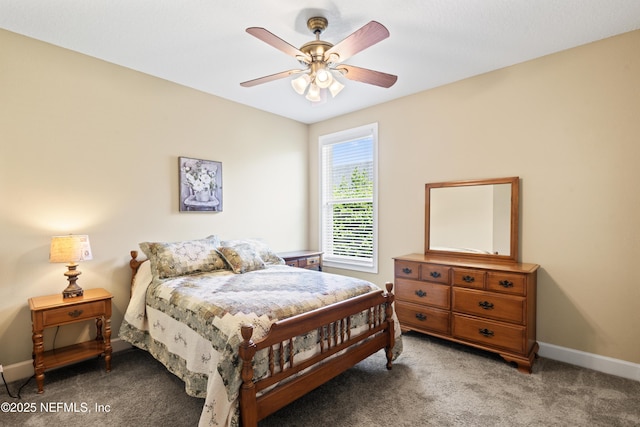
<point>259,399</point>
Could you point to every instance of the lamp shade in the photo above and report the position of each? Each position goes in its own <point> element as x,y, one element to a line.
<point>70,249</point>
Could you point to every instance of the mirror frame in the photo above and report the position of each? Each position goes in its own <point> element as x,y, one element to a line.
<point>515,216</point>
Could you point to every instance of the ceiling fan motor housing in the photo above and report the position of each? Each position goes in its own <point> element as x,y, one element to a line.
<point>316,49</point>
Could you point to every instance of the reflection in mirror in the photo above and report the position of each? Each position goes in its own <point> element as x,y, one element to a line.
<point>483,229</point>
<point>477,218</point>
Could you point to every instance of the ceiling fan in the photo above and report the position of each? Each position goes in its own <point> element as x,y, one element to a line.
<point>323,60</point>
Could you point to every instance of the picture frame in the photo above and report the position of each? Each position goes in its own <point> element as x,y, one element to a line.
<point>200,185</point>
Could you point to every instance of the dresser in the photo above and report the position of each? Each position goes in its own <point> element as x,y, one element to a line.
<point>486,304</point>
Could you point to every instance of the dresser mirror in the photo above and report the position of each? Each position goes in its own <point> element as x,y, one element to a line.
<point>473,219</point>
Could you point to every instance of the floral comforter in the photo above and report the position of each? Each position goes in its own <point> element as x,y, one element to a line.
<point>191,323</point>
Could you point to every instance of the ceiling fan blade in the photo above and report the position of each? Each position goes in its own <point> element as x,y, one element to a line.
<point>368,35</point>
<point>365,75</point>
<point>270,78</point>
<point>275,41</point>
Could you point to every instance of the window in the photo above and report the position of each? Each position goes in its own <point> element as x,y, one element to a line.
<point>348,217</point>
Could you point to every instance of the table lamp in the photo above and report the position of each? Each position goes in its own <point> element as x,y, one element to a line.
<point>70,249</point>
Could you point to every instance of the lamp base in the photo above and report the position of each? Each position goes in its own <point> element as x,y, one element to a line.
<point>72,294</point>
<point>72,290</point>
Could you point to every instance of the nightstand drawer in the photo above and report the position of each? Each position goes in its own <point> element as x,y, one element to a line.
<point>73,313</point>
<point>309,262</point>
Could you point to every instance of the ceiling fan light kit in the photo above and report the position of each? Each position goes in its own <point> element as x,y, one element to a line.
<point>323,60</point>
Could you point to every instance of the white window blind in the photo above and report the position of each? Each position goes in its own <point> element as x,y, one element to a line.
<point>349,198</point>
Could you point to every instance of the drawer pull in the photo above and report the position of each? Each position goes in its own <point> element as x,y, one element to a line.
<point>506,283</point>
<point>407,270</point>
<point>469,279</point>
<point>421,317</point>
<point>435,274</point>
<point>421,293</point>
<point>75,313</point>
<point>486,305</point>
<point>486,332</point>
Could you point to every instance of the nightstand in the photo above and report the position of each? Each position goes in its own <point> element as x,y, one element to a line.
<point>52,310</point>
<point>311,260</point>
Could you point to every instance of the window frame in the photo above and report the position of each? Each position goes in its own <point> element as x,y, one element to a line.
<point>330,260</point>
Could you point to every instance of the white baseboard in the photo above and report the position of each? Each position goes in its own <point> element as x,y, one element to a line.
<point>22,370</point>
<point>608,365</point>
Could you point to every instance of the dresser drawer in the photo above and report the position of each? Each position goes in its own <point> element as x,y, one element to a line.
<point>292,263</point>
<point>419,317</point>
<point>469,278</point>
<point>435,273</point>
<point>423,293</point>
<point>494,334</point>
<point>506,282</point>
<point>489,304</point>
<point>73,313</point>
<point>407,269</point>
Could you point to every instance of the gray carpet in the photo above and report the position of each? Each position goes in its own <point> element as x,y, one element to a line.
<point>433,383</point>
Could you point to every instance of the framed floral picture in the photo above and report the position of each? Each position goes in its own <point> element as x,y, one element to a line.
<point>200,185</point>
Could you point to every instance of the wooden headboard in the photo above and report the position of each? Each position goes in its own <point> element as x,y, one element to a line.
<point>135,265</point>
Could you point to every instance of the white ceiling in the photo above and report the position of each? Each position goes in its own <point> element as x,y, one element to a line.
<point>202,43</point>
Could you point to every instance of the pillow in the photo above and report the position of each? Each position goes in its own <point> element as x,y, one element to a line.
<point>262,249</point>
<point>179,258</point>
<point>241,257</point>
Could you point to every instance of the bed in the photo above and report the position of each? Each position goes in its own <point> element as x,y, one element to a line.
<point>246,332</point>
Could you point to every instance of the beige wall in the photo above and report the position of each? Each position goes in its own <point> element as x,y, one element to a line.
<point>569,125</point>
<point>90,147</point>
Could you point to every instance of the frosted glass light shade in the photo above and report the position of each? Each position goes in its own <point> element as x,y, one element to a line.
<point>335,87</point>
<point>300,83</point>
<point>323,78</point>
<point>313,94</point>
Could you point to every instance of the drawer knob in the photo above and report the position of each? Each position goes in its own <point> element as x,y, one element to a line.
<point>469,279</point>
<point>407,270</point>
<point>435,274</point>
<point>486,305</point>
<point>486,332</point>
<point>75,313</point>
<point>506,283</point>
<point>421,293</point>
<point>421,317</point>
